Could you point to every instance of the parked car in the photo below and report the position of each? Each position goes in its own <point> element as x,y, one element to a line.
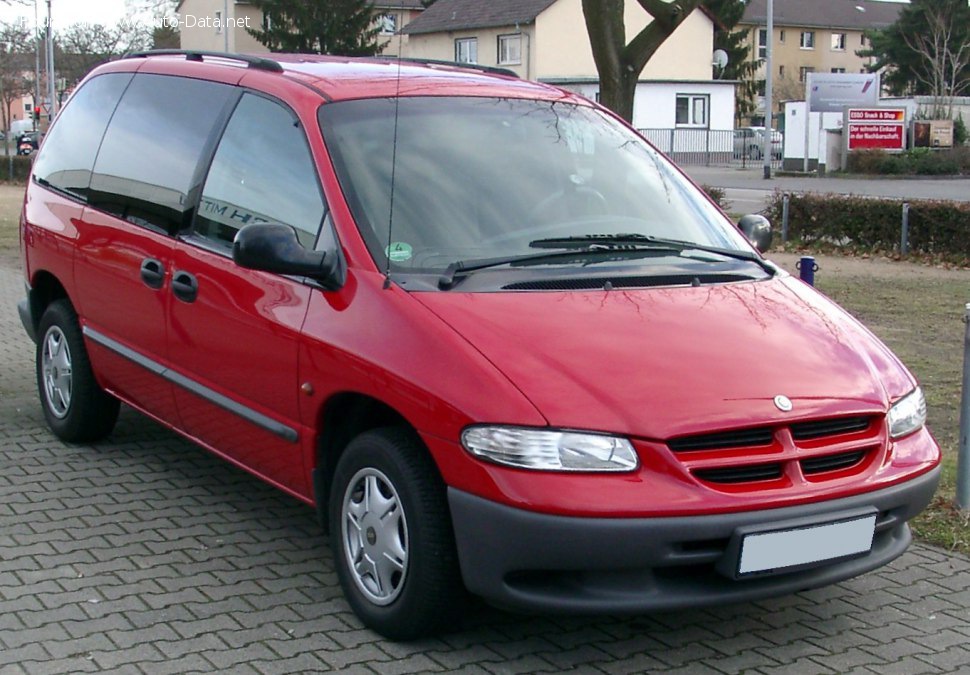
<point>495,338</point>
<point>749,143</point>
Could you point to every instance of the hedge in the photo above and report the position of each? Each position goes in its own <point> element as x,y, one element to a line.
<point>21,168</point>
<point>936,228</point>
<point>919,161</point>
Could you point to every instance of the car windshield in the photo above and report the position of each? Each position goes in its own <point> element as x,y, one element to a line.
<point>488,178</point>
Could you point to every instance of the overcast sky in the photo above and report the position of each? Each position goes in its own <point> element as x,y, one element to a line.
<point>66,12</point>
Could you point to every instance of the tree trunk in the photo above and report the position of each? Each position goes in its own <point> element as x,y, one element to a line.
<point>619,64</point>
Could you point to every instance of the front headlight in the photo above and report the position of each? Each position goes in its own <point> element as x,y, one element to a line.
<point>908,414</point>
<point>548,450</point>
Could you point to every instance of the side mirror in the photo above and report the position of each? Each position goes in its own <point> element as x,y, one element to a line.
<point>272,247</point>
<point>757,229</point>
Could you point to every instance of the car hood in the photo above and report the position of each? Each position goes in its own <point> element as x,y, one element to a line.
<point>662,362</point>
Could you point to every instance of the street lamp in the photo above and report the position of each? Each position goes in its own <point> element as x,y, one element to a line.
<point>50,65</point>
<point>766,137</point>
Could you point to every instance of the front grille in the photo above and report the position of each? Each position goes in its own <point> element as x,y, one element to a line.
<point>806,431</point>
<point>819,450</point>
<point>842,460</point>
<point>742,438</point>
<point>740,474</point>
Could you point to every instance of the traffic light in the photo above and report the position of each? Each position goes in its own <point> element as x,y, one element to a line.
<point>37,113</point>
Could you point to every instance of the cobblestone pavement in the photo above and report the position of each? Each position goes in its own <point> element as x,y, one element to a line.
<point>144,554</point>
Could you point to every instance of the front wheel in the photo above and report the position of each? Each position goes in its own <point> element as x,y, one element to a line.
<point>76,409</point>
<point>391,536</point>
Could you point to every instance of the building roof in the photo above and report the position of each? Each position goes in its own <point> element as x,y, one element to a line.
<point>449,15</point>
<point>850,14</point>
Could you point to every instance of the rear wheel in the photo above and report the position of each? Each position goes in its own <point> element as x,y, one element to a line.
<point>76,409</point>
<point>391,536</point>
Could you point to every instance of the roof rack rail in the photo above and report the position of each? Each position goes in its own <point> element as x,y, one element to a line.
<point>457,64</point>
<point>256,62</point>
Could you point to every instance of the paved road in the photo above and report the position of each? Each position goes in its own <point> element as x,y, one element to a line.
<point>144,554</point>
<point>747,189</point>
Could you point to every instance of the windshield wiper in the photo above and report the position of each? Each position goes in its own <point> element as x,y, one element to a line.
<point>645,241</point>
<point>460,268</point>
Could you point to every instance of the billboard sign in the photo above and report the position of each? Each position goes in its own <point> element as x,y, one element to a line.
<point>875,128</point>
<point>832,92</point>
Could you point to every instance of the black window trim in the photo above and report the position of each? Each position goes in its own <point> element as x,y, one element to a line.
<point>189,234</point>
<point>205,157</point>
<point>68,194</point>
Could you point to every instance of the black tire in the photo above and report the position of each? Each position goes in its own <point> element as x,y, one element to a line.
<point>76,408</point>
<point>422,591</point>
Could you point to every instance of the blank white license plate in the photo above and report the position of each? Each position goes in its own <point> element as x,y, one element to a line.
<point>806,545</point>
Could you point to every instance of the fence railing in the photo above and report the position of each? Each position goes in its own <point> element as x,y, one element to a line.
<point>709,147</point>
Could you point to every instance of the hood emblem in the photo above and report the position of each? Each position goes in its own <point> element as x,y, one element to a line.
<point>783,403</point>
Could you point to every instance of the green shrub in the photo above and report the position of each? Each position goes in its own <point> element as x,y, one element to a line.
<point>959,131</point>
<point>924,161</point>
<point>717,194</point>
<point>938,229</point>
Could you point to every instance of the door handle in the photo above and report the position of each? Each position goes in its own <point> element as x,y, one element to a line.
<point>185,286</point>
<point>152,273</point>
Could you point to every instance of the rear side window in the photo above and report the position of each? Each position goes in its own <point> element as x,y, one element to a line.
<point>150,154</point>
<point>68,156</point>
<point>262,172</point>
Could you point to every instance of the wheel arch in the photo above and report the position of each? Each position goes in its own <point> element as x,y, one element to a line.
<point>343,417</point>
<point>45,288</point>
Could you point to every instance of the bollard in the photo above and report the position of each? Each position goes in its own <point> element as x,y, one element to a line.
<point>904,235</point>
<point>807,267</point>
<point>784,219</point>
<point>963,451</point>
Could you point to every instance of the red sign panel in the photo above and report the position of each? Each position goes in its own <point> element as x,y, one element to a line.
<point>876,128</point>
<point>872,136</point>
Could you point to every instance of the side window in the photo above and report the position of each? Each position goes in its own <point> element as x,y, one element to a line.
<point>262,172</point>
<point>68,155</point>
<point>148,159</point>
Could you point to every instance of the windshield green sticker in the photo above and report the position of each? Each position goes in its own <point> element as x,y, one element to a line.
<point>398,251</point>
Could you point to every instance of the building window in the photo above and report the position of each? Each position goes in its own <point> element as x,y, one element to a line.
<point>781,71</point>
<point>218,23</point>
<point>387,23</point>
<point>808,39</point>
<point>466,50</point>
<point>838,70</point>
<point>509,49</point>
<point>762,43</point>
<point>862,39</point>
<point>781,36</point>
<point>838,42</point>
<point>691,110</point>
<point>803,73</point>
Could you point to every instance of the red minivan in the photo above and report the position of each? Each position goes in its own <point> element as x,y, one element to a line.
<point>500,342</point>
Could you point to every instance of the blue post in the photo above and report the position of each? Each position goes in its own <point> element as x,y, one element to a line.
<point>807,267</point>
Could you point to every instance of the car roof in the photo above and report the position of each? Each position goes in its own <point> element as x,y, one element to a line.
<point>338,78</point>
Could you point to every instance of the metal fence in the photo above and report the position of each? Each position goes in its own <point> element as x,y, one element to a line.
<point>707,147</point>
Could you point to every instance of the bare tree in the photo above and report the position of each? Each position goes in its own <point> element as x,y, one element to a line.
<point>619,64</point>
<point>16,66</point>
<point>83,46</point>
<point>944,57</point>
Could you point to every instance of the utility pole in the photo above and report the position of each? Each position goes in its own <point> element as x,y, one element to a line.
<point>769,106</point>
<point>50,66</point>
<point>36,66</point>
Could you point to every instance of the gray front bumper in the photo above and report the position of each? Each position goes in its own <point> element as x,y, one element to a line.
<point>531,561</point>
